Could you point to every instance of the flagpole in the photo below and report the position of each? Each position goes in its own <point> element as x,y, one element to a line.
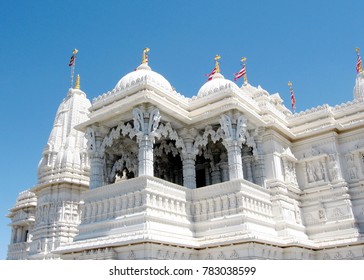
<point>75,51</point>
<point>293,99</point>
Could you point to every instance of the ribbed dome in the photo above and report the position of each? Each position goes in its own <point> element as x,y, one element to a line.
<point>217,83</point>
<point>26,198</point>
<point>142,74</point>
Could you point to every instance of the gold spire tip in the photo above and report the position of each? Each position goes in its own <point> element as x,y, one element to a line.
<point>243,59</point>
<point>145,55</point>
<point>290,84</point>
<point>217,65</point>
<point>78,82</point>
<point>75,51</point>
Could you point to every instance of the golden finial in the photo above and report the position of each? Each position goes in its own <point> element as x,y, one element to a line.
<point>243,59</point>
<point>145,55</point>
<point>217,65</point>
<point>357,50</point>
<point>75,51</point>
<point>78,82</point>
<point>290,84</point>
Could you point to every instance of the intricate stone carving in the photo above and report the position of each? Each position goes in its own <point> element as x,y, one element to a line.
<point>131,255</point>
<point>234,255</point>
<point>322,215</point>
<point>221,256</point>
<point>350,255</point>
<point>352,169</point>
<point>338,256</point>
<point>334,169</point>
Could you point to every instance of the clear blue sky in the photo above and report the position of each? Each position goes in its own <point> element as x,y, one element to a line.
<point>311,43</point>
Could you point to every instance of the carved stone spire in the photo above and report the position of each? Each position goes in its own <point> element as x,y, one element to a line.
<point>66,146</point>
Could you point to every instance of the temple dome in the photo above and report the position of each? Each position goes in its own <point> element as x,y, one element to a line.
<point>143,74</point>
<point>217,83</point>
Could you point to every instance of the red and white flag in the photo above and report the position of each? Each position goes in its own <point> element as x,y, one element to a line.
<point>293,100</point>
<point>211,74</point>
<point>72,60</point>
<point>240,74</point>
<point>359,67</point>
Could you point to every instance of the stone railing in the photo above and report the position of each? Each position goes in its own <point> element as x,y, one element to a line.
<point>135,196</point>
<point>18,251</point>
<point>230,198</point>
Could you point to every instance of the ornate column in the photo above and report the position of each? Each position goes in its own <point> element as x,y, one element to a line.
<point>146,121</point>
<point>247,160</point>
<point>234,135</point>
<point>224,166</point>
<point>95,136</point>
<point>259,171</point>
<point>188,157</point>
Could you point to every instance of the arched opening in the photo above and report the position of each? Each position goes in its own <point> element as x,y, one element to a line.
<point>121,160</point>
<point>167,161</point>
<point>211,164</point>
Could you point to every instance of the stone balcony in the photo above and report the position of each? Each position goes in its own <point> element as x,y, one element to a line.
<point>18,251</point>
<point>149,209</point>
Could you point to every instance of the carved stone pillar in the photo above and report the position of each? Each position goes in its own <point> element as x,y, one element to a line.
<point>247,160</point>
<point>234,135</point>
<point>19,234</point>
<point>207,175</point>
<point>189,173</point>
<point>188,158</point>
<point>224,167</point>
<point>259,171</point>
<point>234,160</point>
<point>145,157</point>
<point>215,175</point>
<point>146,121</point>
<point>95,137</point>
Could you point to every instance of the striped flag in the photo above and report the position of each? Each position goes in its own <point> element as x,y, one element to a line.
<point>359,67</point>
<point>240,74</point>
<point>211,74</point>
<point>293,100</point>
<point>72,60</point>
<point>73,57</point>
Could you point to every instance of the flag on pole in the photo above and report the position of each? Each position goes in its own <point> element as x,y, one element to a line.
<point>73,57</point>
<point>240,74</point>
<point>211,74</point>
<point>216,69</point>
<point>359,67</point>
<point>72,60</point>
<point>293,99</point>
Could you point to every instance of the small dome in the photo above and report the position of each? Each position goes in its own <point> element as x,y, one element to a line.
<point>25,198</point>
<point>217,83</point>
<point>141,74</point>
